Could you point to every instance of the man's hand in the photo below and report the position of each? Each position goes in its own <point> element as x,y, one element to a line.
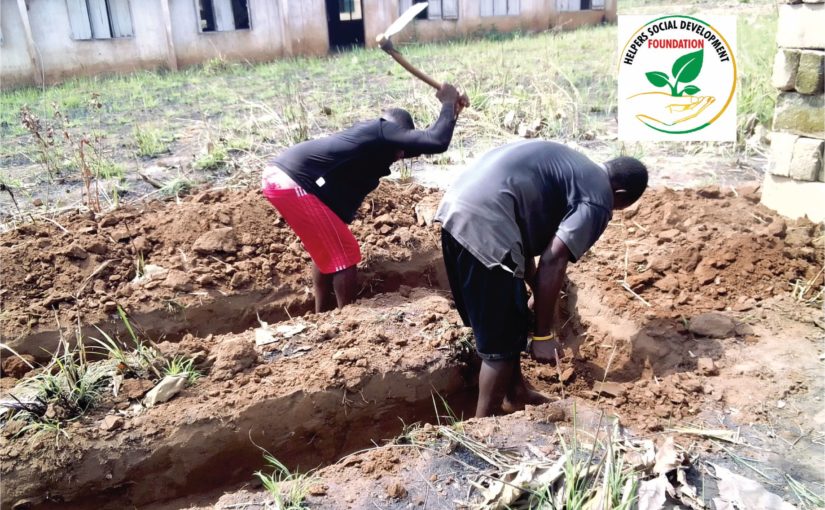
<point>545,351</point>
<point>448,94</point>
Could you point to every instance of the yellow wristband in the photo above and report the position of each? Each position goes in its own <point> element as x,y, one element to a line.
<point>551,336</point>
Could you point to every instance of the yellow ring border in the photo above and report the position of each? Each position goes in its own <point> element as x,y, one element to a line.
<point>732,58</point>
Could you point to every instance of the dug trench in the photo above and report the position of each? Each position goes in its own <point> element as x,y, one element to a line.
<point>350,375</point>
<point>216,262</point>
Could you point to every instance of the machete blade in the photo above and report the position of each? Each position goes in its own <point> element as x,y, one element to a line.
<point>404,19</point>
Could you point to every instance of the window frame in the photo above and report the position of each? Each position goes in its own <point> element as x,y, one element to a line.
<point>197,6</point>
<point>85,17</point>
<point>507,9</point>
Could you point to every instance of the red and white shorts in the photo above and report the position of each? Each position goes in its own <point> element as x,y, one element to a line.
<point>325,236</point>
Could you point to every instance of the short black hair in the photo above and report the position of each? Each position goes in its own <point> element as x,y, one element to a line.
<point>400,116</point>
<point>628,174</point>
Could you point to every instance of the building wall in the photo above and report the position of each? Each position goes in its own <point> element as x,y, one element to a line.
<point>279,28</point>
<point>795,182</point>
<point>15,65</point>
<point>61,56</point>
<point>535,15</point>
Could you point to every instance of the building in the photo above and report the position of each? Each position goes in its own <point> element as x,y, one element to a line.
<point>46,41</point>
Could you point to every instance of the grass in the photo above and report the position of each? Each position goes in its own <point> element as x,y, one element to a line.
<point>182,366</point>
<point>288,489</point>
<point>151,141</point>
<point>551,85</point>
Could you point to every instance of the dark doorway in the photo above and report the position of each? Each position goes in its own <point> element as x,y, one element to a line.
<point>345,19</point>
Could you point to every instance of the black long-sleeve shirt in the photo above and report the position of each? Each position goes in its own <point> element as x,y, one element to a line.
<point>343,168</point>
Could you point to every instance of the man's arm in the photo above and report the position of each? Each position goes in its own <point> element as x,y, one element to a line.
<point>548,281</point>
<point>432,140</point>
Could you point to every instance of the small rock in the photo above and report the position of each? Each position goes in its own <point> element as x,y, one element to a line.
<point>318,489</point>
<point>706,366</point>
<point>396,491</point>
<point>177,280</point>
<point>74,251</point>
<point>167,388</point>
<point>37,202</point>
<point>712,324</point>
<point>111,422</point>
<point>121,234</point>
<point>609,389</point>
<point>567,374</point>
<point>133,389</point>
<point>205,280</point>
<point>669,235</point>
<point>743,329</point>
<point>218,240</point>
<point>17,366</point>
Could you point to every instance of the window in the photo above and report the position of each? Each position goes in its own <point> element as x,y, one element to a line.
<point>223,15</point>
<point>580,5</point>
<point>438,9</point>
<point>349,10</point>
<point>500,7</point>
<point>99,19</point>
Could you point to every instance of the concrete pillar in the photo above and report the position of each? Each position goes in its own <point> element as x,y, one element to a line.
<point>171,55</point>
<point>795,183</point>
<point>37,66</point>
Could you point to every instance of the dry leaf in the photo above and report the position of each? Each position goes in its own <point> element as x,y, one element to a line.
<point>746,493</point>
<point>652,493</point>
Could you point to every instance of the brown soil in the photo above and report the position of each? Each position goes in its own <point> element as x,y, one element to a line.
<point>350,378</point>
<point>683,253</point>
<point>228,258</point>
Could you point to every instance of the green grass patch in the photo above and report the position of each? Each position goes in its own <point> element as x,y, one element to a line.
<point>151,141</point>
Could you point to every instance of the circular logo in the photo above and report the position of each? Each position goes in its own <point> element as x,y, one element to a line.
<point>677,75</point>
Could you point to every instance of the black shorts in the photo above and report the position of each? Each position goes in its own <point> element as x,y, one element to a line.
<point>492,301</point>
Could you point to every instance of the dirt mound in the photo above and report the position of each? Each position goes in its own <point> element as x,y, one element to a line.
<point>308,399</point>
<point>691,251</point>
<point>206,247</point>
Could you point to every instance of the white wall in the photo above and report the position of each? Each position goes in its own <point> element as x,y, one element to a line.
<point>15,65</point>
<point>61,56</point>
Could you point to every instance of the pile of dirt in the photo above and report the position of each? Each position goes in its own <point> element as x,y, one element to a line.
<point>690,251</point>
<point>207,246</point>
<point>309,398</point>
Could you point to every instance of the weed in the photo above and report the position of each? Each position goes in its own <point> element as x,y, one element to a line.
<point>216,157</point>
<point>288,489</point>
<point>176,187</point>
<point>151,141</point>
<point>180,365</point>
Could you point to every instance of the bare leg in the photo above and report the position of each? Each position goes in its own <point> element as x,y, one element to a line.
<point>520,393</point>
<point>345,283</point>
<point>324,297</point>
<point>493,383</point>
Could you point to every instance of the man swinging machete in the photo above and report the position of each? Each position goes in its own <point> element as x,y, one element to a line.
<point>318,185</point>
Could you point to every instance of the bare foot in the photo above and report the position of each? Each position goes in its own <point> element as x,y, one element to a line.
<point>525,395</point>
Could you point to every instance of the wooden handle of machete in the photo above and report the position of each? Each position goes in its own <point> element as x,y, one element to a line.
<point>412,69</point>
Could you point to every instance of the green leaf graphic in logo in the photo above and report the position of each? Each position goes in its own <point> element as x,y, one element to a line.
<point>687,67</point>
<point>685,70</point>
<point>657,78</point>
<point>690,90</point>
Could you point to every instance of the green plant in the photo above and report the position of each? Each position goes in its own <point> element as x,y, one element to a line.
<point>150,141</point>
<point>180,365</point>
<point>685,69</point>
<point>216,156</point>
<point>289,490</point>
<point>177,187</point>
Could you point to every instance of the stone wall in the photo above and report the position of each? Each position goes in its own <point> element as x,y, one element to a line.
<point>798,136</point>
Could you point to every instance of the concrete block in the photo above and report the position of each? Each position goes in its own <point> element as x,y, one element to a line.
<point>807,159</point>
<point>782,145</point>
<point>784,69</point>
<point>810,72</point>
<point>794,199</point>
<point>800,26</point>
<point>800,114</point>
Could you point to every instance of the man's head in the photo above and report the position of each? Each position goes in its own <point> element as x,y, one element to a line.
<point>402,118</point>
<point>628,178</point>
<point>399,116</point>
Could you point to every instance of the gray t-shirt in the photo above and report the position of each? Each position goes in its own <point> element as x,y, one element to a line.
<point>518,196</point>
